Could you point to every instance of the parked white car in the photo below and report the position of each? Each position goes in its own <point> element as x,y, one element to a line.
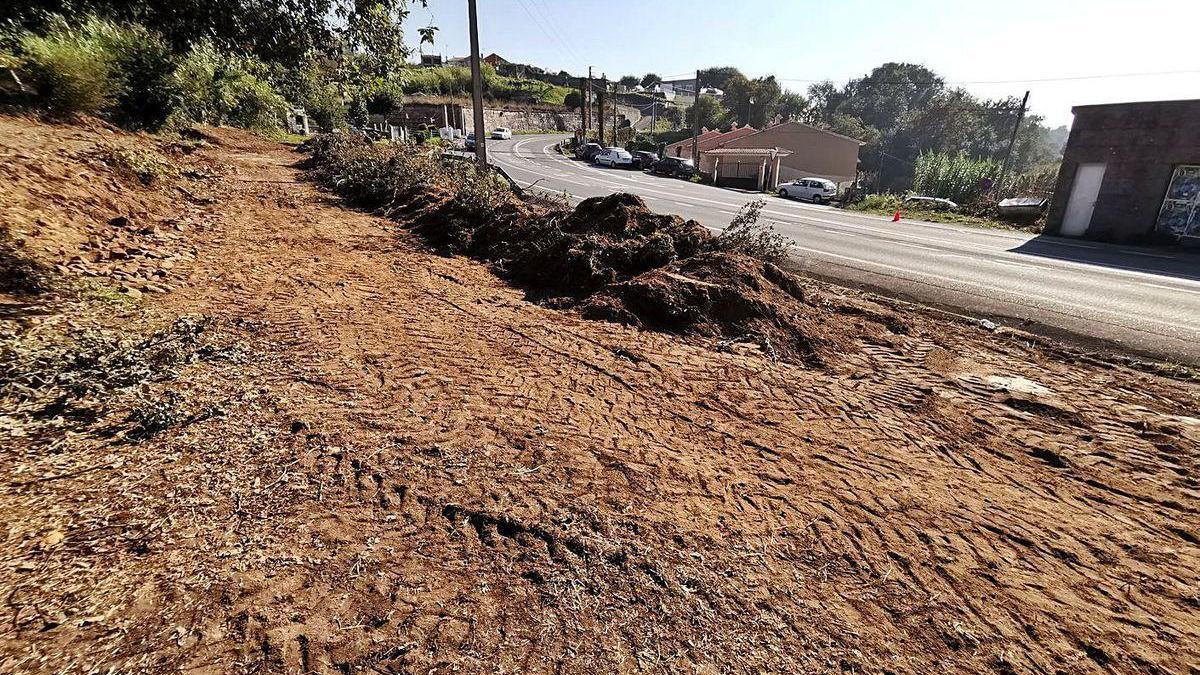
<point>614,157</point>
<point>502,133</point>
<point>815,190</point>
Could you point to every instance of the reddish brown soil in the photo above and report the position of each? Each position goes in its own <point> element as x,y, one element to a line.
<point>401,465</point>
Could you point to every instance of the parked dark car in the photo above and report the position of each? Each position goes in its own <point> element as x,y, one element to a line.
<point>674,166</point>
<point>470,142</point>
<point>588,151</point>
<point>643,159</point>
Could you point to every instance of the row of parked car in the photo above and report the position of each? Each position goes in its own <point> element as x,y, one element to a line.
<point>620,158</point>
<point>815,190</point>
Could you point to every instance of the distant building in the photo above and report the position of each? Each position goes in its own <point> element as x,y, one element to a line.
<point>747,158</point>
<point>707,141</point>
<point>1130,172</point>
<point>495,60</point>
<point>431,60</point>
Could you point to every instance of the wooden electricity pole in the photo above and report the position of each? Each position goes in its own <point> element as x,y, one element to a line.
<point>1012,142</point>
<point>477,89</point>
<point>583,106</point>
<point>616,141</point>
<point>600,115</point>
<point>696,125</point>
<point>587,125</point>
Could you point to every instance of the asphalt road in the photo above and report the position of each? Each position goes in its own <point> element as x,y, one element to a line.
<point>1144,300</point>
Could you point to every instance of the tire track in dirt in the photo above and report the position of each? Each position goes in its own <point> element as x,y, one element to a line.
<point>424,470</point>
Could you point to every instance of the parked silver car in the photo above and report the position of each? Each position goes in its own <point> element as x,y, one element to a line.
<point>815,190</point>
<point>614,157</point>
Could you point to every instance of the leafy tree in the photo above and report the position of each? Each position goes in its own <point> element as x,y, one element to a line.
<point>752,102</point>
<point>848,125</point>
<point>903,110</point>
<point>718,76</point>
<point>824,98</point>
<point>651,79</point>
<point>889,92</point>
<point>712,114</point>
<point>791,106</point>
<point>573,99</point>
<point>629,81</point>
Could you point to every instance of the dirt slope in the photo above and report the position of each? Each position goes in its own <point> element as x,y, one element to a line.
<point>362,457</point>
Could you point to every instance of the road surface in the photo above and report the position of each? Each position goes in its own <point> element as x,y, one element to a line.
<point>1143,300</point>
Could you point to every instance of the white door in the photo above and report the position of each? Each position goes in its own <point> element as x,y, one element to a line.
<point>1082,202</point>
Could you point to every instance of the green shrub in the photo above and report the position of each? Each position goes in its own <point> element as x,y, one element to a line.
<point>70,68</point>
<point>100,67</point>
<point>313,85</point>
<point>884,203</point>
<point>383,97</point>
<point>218,88</point>
<point>144,68</point>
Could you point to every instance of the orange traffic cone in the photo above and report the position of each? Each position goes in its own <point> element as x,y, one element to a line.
<point>896,218</point>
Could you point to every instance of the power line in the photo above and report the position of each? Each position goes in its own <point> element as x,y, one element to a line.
<point>561,45</point>
<point>544,10</point>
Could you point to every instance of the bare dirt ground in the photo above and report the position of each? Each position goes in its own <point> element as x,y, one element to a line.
<point>358,456</point>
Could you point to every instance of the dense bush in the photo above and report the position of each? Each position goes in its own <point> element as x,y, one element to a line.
<point>71,68</point>
<point>144,69</point>
<point>1037,182</point>
<point>218,88</point>
<point>313,86</point>
<point>881,203</point>
<point>130,75</point>
<point>955,177</point>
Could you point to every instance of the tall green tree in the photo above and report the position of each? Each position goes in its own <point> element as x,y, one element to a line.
<point>650,79</point>
<point>792,106</point>
<point>711,113</point>
<point>903,110</point>
<point>752,102</point>
<point>718,76</point>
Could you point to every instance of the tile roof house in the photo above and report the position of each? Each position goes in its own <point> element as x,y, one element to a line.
<point>684,148</point>
<point>707,141</point>
<point>798,150</point>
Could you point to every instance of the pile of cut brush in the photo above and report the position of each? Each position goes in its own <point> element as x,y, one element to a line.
<point>610,257</point>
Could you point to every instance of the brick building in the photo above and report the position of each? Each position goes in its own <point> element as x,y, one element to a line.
<point>1130,173</point>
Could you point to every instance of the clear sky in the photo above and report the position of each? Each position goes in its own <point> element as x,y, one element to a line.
<point>975,44</point>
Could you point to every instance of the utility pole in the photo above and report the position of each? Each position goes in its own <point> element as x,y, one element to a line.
<point>1012,142</point>
<point>477,88</point>
<point>616,141</point>
<point>588,101</point>
<point>600,115</point>
<point>696,125</point>
<point>583,107</point>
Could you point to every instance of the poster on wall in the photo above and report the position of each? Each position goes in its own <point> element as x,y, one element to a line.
<point>1180,214</point>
